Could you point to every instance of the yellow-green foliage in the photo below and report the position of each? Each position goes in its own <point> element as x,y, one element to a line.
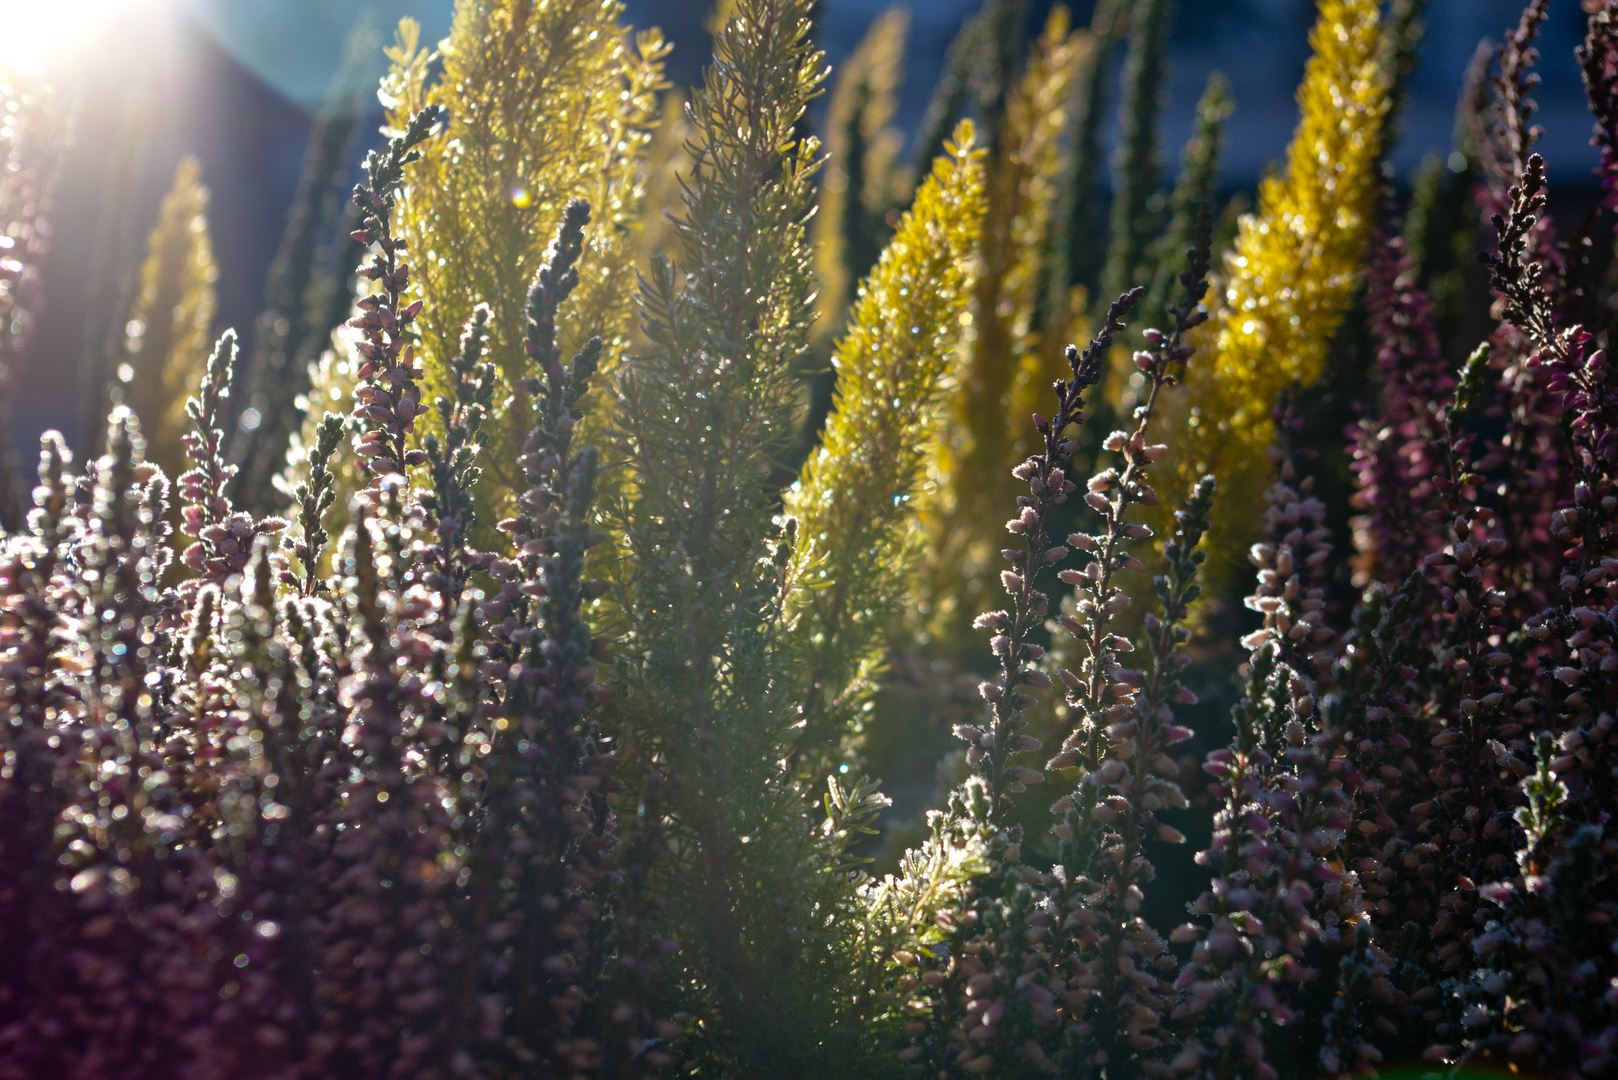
<point>1037,118</point>
<point>1005,369</point>
<point>668,161</point>
<point>853,501</point>
<point>862,146</point>
<point>168,340</point>
<point>1290,277</point>
<point>547,102</point>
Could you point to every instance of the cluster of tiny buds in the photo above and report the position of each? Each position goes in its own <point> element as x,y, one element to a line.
<point>388,400</point>
<point>1291,592</point>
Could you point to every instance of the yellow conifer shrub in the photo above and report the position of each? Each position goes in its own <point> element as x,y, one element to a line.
<point>547,102</point>
<point>668,163</point>
<point>1290,277</point>
<point>853,501</point>
<point>167,338</point>
<point>1005,369</point>
<point>862,147</point>
<point>1038,115</point>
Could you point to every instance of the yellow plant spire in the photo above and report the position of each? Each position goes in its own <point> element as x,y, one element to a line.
<point>853,501</point>
<point>168,336</point>
<point>1006,370</point>
<point>1290,277</point>
<point>547,103</point>
<point>862,146</point>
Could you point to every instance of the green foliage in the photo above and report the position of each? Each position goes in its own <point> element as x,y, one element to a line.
<point>545,103</point>
<point>1133,222</point>
<point>849,571</point>
<point>859,188</point>
<point>750,884</point>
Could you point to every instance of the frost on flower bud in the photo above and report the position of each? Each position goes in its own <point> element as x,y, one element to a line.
<point>1011,581</point>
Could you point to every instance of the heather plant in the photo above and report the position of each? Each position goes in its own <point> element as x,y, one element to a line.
<point>534,736</point>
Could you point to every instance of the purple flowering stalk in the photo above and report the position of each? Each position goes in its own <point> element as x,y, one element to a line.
<point>991,748</point>
<point>995,994</point>
<point>1120,969</point>
<point>388,399</point>
<point>225,537</point>
<point>452,465</point>
<point>1598,60</point>
<point>1530,451</point>
<point>1058,972</point>
<point>1542,996</point>
<point>1276,895</point>
<point>1394,472</point>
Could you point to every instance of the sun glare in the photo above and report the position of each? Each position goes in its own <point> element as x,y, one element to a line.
<point>37,35</point>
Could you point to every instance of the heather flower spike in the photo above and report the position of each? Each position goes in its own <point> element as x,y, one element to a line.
<point>388,398</point>
<point>453,463</point>
<point>224,536</point>
<point>1274,892</point>
<point>1049,487</point>
<point>1060,971</point>
<point>1395,471</point>
<point>1096,695</point>
<point>313,497</point>
<point>1598,59</point>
